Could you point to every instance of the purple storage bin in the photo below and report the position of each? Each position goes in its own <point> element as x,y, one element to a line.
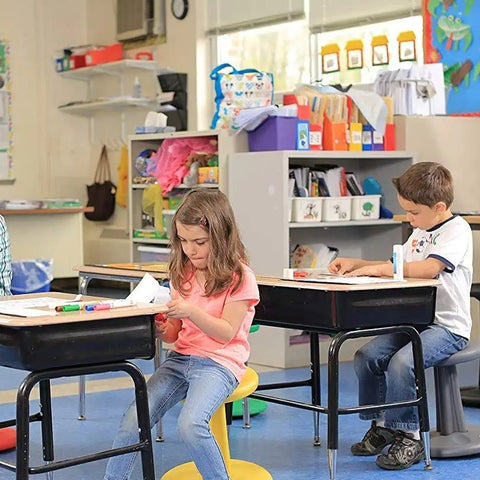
<point>275,133</point>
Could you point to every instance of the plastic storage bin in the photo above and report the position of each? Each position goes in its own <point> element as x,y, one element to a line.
<point>307,209</point>
<point>153,254</point>
<point>366,207</point>
<point>31,276</point>
<point>336,209</point>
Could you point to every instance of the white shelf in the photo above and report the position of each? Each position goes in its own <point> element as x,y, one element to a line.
<point>117,104</point>
<point>118,68</point>
<point>153,241</point>
<point>349,223</point>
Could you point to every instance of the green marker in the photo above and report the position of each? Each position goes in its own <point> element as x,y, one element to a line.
<point>71,308</point>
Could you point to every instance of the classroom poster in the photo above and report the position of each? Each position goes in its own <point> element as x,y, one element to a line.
<point>5,113</point>
<point>452,37</point>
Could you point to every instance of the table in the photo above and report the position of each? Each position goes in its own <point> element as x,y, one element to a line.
<point>71,344</point>
<point>470,395</point>
<point>48,233</point>
<point>120,272</point>
<point>346,312</point>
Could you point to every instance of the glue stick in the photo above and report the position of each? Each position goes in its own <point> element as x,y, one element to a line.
<point>398,262</point>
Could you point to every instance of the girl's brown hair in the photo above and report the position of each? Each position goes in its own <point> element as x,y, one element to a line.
<point>211,210</point>
<point>426,183</point>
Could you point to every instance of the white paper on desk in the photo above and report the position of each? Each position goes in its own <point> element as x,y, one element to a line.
<point>146,290</point>
<point>24,312</point>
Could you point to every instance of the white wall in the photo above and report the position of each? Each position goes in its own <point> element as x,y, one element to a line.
<point>55,153</point>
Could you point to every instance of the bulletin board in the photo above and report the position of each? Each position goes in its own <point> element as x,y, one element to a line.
<point>5,112</point>
<point>452,37</point>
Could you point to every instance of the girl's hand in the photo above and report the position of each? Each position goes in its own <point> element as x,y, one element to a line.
<point>161,324</point>
<point>180,309</point>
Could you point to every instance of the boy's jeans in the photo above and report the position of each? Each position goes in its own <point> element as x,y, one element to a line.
<point>204,384</point>
<point>384,367</point>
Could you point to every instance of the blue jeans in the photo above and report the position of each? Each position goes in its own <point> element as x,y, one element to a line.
<point>204,385</point>
<point>384,367</point>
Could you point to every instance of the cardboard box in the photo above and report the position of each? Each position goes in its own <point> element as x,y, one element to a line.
<point>208,175</point>
<point>275,133</point>
<point>110,53</point>
<point>334,135</point>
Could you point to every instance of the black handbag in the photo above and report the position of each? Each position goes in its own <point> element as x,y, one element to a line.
<point>101,193</point>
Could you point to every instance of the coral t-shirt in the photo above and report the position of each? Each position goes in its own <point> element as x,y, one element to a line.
<point>193,341</point>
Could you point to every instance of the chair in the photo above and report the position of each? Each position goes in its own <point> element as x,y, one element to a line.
<point>453,438</point>
<point>237,469</point>
<point>8,439</point>
<point>471,395</point>
<point>247,407</point>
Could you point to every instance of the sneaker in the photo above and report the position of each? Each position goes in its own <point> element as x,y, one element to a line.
<point>403,453</point>
<point>374,441</point>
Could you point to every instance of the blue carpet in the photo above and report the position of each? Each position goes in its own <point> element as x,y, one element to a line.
<point>280,438</point>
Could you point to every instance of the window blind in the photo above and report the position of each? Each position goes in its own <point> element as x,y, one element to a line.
<point>328,15</point>
<point>225,16</point>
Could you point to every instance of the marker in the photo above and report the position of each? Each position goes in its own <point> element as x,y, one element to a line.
<point>71,308</point>
<point>398,262</point>
<point>109,305</point>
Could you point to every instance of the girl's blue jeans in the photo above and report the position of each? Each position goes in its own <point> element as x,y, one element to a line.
<point>204,385</point>
<point>384,367</point>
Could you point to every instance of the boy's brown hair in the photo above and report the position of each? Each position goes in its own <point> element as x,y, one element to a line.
<point>210,210</point>
<point>426,183</point>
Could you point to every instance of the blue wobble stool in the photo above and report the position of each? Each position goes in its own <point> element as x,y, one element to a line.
<point>237,469</point>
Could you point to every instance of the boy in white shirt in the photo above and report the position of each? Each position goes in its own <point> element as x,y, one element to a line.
<point>440,246</point>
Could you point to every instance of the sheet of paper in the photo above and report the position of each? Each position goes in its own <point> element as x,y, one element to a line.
<point>16,311</point>
<point>322,275</point>
<point>146,290</point>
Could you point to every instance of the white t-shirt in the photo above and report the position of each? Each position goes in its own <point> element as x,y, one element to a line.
<point>451,243</point>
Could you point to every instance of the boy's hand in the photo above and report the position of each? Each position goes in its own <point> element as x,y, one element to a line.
<point>341,265</point>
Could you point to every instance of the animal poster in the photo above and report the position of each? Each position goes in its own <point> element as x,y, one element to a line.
<point>5,113</point>
<point>452,37</point>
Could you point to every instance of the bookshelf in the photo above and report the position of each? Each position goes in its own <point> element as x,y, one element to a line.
<point>262,212</point>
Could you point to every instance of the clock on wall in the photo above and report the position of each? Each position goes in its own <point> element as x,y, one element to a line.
<point>180,9</point>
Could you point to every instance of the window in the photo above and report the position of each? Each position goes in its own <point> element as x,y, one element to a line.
<point>375,51</point>
<point>282,49</point>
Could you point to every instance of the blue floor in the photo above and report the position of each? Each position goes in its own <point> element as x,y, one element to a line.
<point>280,438</point>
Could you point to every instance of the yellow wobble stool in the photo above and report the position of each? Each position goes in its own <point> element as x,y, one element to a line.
<point>237,469</point>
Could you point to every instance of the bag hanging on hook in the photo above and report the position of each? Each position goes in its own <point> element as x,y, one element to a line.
<point>101,193</point>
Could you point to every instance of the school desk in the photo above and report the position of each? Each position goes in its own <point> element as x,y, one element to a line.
<point>346,312</point>
<point>343,311</point>
<point>70,344</point>
<point>119,272</point>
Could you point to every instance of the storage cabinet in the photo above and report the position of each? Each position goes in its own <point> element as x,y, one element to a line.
<point>259,192</point>
<point>228,142</point>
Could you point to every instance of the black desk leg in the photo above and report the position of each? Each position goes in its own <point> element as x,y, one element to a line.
<point>46,418</point>
<point>82,289</point>
<point>315,379</point>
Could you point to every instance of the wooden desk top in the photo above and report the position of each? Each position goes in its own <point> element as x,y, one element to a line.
<point>337,287</point>
<point>77,316</point>
<point>159,271</point>
<point>135,270</point>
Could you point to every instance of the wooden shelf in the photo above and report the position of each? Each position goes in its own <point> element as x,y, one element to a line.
<point>45,211</point>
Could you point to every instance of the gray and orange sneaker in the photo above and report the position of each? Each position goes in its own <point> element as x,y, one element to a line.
<point>403,452</point>
<point>374,441</point>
